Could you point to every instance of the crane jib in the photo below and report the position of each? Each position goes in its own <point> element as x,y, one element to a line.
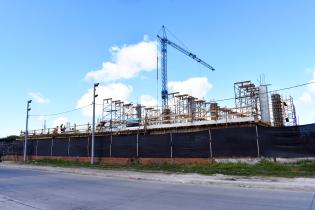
<point>164,41</point>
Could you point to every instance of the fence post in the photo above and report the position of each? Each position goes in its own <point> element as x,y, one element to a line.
<point>69,146</point>
<point>257,140</point>
<point>110,146</point>
<point>36,148</point>
<point>137,144</point>
<point>210,144</point>
<point>171,138</point>
<point>51,148</point>
<point>88,145</point>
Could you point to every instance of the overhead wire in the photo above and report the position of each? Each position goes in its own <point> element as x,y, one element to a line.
<point>224,99</point>
<point>272,91</point>
<point>60,113</point>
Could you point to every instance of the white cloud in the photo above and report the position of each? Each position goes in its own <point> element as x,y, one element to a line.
<point>195,86</point>
<point>311,87</point>
<point>305,103</point>
<point>59,121</point>
<point>127,62</point>
<point>306,98</point>
<point>116,91</point>
<point>42,117</point>
<point>148,100</point>
<point>38,98</point>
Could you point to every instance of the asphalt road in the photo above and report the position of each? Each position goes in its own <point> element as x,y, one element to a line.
<point>34,189</point>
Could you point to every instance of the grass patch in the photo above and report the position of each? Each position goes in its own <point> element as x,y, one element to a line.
<point>262,168</point>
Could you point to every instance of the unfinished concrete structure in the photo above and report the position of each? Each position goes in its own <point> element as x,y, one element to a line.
<point>186,111</point>
<point>283,110</point>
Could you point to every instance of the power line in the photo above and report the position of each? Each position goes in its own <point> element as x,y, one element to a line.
<point>60,113</point>
<point>225,99</point>
<point>272,91</point>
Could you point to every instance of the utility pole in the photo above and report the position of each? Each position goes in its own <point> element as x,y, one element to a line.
<point>26,130</point>
<point>93,126</point>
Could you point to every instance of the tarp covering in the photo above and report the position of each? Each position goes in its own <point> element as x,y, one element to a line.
<point>43,147</point>
<point>234,142</point>
<point>79,147</point>
<point>11,148</point>
<point>124,146</point>
<point>287,142</point>
<point>31,147</point>
<point>194,144</point>
<point>102,146</point>
<point>154,146</point>
<point>60,147</point>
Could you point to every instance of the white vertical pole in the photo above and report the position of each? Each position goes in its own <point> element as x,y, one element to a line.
<point>93,126</point>
<point>26,129</point>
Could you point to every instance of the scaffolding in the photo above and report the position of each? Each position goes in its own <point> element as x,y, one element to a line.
<point>182,108</point>
<point>247,99</point>
<point>251,105</point>
<point>277,111</point>
<point>289,112</point>
<point>283,110</point>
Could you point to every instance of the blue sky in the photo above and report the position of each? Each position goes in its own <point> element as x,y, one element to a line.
<point>47,48</point>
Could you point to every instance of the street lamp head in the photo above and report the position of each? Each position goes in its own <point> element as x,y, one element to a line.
<point>30,101</point>
<point>96,84</point>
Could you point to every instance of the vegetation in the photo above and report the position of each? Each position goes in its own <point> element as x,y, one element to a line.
<point>9,138</point>
<point>263,168</point>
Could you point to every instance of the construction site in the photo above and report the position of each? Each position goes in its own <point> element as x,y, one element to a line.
<point>253,104</point>
<point>260,123</point>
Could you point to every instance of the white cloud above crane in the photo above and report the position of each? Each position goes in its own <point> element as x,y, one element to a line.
<point>127,62</point>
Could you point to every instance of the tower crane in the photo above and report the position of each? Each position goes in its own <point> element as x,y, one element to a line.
<point>164,42</point>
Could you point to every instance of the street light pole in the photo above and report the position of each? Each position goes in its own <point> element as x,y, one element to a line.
<point>93,125</point>
<point>26,129</point>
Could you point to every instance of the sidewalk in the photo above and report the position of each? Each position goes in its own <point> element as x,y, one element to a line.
<point>295,184</point>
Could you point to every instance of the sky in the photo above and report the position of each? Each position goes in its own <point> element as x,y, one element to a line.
<point>54,51</point>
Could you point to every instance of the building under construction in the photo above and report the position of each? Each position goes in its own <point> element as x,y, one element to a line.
<point>184,128</point>
<point>187,130</point>
<point>187,113</point>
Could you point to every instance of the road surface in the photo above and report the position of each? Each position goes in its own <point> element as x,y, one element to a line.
<point>36,189</point>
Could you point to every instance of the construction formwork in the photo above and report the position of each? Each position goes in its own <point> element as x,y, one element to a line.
<point>247,99</point>
<point>289,112</point>
<point>184,110</point>
<point>283,110</point>
<point>277,110</point>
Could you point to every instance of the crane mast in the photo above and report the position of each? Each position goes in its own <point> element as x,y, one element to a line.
<point>164,42</point>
